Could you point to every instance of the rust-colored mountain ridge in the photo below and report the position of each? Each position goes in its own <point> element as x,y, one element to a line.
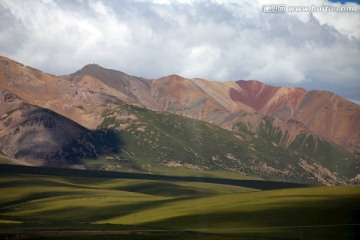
<point>81,100</point>
<point>321,112</point>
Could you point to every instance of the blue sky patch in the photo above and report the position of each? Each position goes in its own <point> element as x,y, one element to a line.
<point>343,1</point>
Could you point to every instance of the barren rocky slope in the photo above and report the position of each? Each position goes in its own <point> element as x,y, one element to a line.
<point>323,113</point>
<point>31,135</point>
<point>280,129</point>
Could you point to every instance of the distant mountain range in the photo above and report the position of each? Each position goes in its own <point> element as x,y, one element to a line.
<point>98,118</point>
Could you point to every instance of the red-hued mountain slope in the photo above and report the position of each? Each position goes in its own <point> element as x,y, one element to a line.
<point>76,95</point>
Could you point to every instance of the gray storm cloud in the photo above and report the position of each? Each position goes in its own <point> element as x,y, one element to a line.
<point>216,40</point>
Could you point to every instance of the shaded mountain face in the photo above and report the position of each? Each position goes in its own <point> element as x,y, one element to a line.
<point>32,135</point>
<point>123,121</point>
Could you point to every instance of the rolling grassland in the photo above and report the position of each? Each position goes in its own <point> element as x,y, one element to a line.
<point>69,204</point>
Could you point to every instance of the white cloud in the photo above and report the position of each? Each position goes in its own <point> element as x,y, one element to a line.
<point>200,60</point>
<point>218,40</point>
<point>279,69</point>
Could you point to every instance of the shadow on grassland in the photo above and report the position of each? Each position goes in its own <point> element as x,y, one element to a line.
<point>34,196</point>
<point>126,234</point>
<point>333,218</point>
<point>75,215</point>
<point>255,184</point>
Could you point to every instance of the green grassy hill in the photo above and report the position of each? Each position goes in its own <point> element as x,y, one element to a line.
<point>36,204</point>
<point>158,142</point>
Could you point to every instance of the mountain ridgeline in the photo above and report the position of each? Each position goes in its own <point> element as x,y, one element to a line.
<point>103,119</point>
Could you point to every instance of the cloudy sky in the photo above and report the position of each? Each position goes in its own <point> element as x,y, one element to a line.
<point>220,40</point>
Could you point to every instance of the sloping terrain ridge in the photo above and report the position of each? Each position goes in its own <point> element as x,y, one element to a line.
<point>246,127</point>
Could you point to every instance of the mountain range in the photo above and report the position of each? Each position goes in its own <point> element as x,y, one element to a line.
<point>98,118</point>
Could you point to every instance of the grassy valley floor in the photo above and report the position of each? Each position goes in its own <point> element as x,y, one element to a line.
<point>62,204</point>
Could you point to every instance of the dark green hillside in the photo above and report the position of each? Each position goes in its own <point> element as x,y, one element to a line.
<point>159,142</point>
<point>328,154</point>
<point>312,152</point>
